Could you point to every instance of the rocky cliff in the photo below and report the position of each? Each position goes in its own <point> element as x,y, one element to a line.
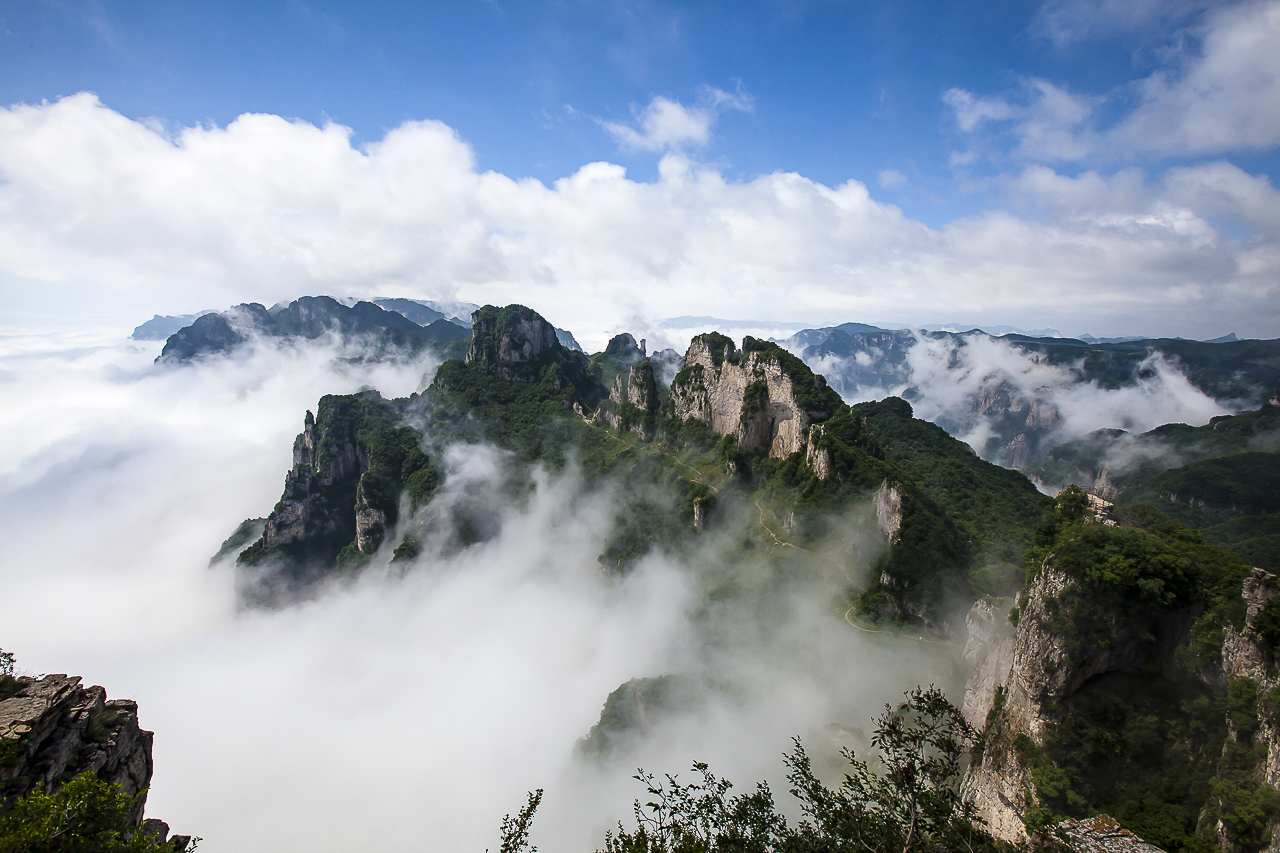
<point>52,729</point>
<point>1134,683</point>
<point>351,467</point>
<point>516,344</point>
<point>763,396</point>
<point>632,404</point>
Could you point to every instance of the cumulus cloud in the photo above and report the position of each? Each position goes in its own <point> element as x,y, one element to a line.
<point>266,209</point>
<point>1223,97</point>
<point>405,710</point>
<point>666,124</point>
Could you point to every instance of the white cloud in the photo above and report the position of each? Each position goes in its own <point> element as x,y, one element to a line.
<point>891,179</point>
<point>397,713</point>
<point>666,124</point>
<point>93,203</point>
<point>1224,98</point>
<point>971,111</point>
<point>1068,21</point>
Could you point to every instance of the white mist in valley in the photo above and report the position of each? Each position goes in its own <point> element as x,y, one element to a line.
<point>947,380</point>
<point>404,710</point>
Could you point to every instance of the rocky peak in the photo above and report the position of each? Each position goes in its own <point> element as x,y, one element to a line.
<point>762,395</point>
<point>506,342</point>
<point>624,348</point>
<point>52,729</point>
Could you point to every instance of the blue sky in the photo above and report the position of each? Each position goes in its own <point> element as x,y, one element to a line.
<point>943,110</point>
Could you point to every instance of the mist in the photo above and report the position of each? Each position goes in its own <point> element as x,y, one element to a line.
<point>409,708</point>
<point>947,380</point>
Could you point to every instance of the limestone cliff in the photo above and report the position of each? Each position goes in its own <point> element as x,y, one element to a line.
<point>633,400</point>
<point>763,396</point>
<point>352,465</point>
<point>516,344</point>
<point>507,342</point>
<point>1245,654</point>
<point>52,729</point>
<point>1046,666</point>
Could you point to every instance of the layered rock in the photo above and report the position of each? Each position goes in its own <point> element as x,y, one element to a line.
<point>320,488</point>
<point>764,396</point>
<point>1044,670</point>
<point>52,729</point>
<point>1244,655</point>
<point>988,654</point>
<point>351,466</point>
<point>507,342</point>
<point>633,400</point>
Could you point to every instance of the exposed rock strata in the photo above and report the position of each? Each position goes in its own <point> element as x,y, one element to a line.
<point>988,654</point>
<point>1043,672</point>
<point>1244,656</point>
<point>52,729</point>
<point>751,396</point>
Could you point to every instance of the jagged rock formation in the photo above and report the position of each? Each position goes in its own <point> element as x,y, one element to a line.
<point>1046,668</point>
<point>351,466</point>
<point>384,333</point>
<point>764,396</point>
<point>506,341</point>
<point>988,654</point>
<point>636,708</point>
<point>1245,655</point>
<point>52,729</point>
<point>515,344</point>
<point>632,404</point>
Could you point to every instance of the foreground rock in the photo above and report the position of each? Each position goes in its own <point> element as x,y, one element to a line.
<point>52,729</point>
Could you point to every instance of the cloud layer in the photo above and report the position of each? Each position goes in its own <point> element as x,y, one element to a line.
<point>265,208</point>
<point>397,712</point>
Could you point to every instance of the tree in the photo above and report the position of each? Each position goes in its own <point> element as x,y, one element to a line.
<point>912,806</point>
<point>86,815</point>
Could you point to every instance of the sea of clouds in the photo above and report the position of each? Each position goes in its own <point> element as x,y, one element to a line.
<point>404,710</point>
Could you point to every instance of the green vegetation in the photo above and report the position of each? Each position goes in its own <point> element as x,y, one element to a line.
<point>996,509</point>
<point>1150,743</point>
<point>86,815</point>
<point>1213,491</point>
<point>912,805</point>
<point>810,390</point>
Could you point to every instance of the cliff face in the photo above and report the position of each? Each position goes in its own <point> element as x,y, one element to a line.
<point>633,400</point>
<point>351,467</point>
<point>1244,655</point>
<point>1019,682</point>
<point>52,729</point>
<point>765,397</point>
<point>507,342</point>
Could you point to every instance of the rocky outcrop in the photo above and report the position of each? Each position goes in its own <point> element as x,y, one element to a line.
<point>1244,656</point>
<point>52,729</point>
<point>816,454</point>
<point>1100,834</point>
<point>763,396</point>
<point>507,342</point>
<point>633,400</point>
<point>351,466</point>
<point>1046,668</point>
<point>316,488</point>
